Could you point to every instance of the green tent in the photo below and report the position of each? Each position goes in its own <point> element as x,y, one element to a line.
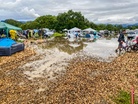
<point>8,27</point>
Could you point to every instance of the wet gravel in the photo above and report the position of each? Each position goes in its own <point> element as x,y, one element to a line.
<point>85,81</point>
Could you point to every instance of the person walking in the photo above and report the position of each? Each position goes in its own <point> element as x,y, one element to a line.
<point>121,39</point>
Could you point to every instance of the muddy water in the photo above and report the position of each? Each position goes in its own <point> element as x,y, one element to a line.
<point>55,55</point>
<point>102,48</point>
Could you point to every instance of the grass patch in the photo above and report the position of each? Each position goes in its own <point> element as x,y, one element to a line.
<point>124,98</point>
<point>58,35</point>
<point>136,75</point>
<point>20,41</point>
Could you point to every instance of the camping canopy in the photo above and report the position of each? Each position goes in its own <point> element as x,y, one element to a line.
<point>89,30</point>
<point>8,27</point>
<point>75,29</point>
<point>65,29</point>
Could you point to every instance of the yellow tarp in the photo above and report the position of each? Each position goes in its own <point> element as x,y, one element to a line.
<point>13,34</point>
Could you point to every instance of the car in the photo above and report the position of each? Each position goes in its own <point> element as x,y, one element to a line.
<point>48,32</point>
<point>132,35</point>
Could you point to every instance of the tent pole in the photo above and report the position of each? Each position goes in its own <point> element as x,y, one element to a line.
<point>7,33</point>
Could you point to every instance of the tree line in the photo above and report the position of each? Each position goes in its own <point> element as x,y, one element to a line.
<point>66,20</point>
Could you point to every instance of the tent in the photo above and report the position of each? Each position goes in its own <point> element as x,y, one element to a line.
<point>75,29</point>
<point>8,27</point>
<point>65,29</point>
<point>89,30</point>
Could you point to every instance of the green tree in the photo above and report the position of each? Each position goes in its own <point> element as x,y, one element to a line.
<point>47,21</point>
<point>13,22</point>
<point>110,27</point>
<point>93,25</point>
<point>119,27</point>
<point>28,25</point>
<point>68,20</point>
<point>101,27</point>
<point>71,19</point>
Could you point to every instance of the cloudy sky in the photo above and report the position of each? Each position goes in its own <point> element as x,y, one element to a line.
<point>97,11</point>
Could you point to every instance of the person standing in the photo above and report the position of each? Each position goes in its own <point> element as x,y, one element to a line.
<point>121,39</point>
<point>76,35</point>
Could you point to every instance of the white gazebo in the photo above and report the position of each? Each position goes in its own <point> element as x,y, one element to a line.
<point>89,30</point>
<point>73,31</point>
<point>65,30</point>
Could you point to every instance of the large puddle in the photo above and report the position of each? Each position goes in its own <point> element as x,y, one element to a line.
<point>64,45</point>
<point>55,55</point>
<point>103,49</point>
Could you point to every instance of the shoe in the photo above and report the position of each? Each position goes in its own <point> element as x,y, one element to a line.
<point>116,50</point>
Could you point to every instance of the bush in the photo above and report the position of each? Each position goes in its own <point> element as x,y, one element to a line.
<point>36,35</point>
<point>58,35</point>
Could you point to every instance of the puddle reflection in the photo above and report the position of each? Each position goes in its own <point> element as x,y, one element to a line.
<point>64,45</point>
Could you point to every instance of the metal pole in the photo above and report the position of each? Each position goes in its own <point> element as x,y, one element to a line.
<point>132,95</point>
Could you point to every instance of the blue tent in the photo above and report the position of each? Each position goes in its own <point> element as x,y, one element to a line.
<point>87,36</point>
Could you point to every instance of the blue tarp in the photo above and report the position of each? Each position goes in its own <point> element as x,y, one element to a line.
<point>6,42</point>
<point>88,36</point>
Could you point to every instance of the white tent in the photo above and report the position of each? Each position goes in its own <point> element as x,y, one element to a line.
<point>89,30</point>
<point>75,29</point>
<point>65,29</point>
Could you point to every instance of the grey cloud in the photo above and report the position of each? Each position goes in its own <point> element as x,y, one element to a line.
<point>135,18</point>
<point>103,11</point>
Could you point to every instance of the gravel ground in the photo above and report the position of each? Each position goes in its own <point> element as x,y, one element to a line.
<point>83,80</point>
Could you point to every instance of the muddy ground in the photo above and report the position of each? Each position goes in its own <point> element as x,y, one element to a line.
<point>31,78</point>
